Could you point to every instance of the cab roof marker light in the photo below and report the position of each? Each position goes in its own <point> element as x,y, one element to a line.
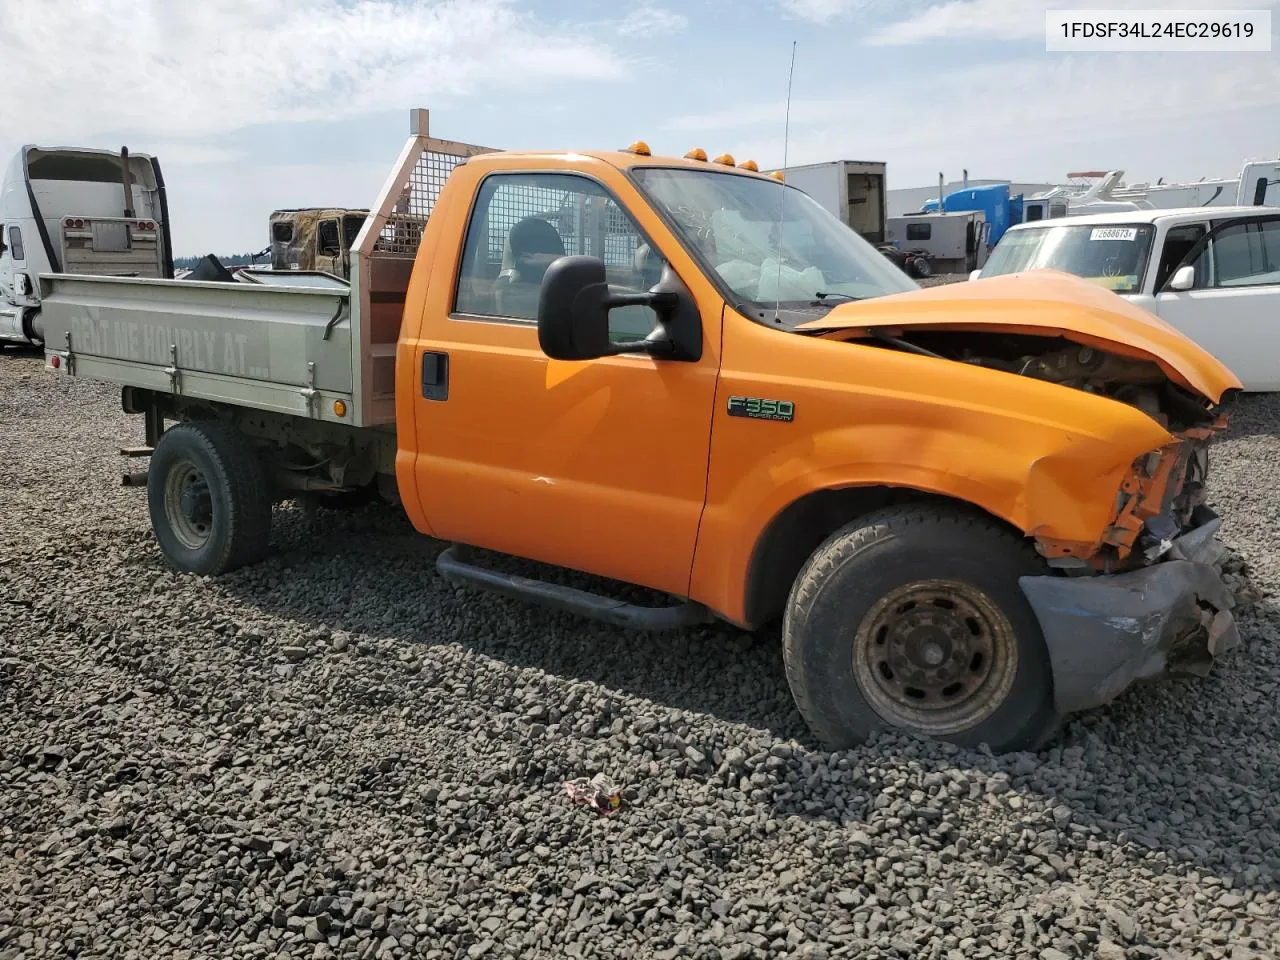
<point>749,165</point>
<point>697,153</point>
<point>724,159</point>
<point>639,148</point>
<point>777,175</point>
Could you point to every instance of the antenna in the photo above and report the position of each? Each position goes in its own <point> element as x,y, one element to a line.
<point>786,129</point>
<point>782,199</point>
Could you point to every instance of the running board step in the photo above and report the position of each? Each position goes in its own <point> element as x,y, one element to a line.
<point>136,451</point>
<point>580,602</point>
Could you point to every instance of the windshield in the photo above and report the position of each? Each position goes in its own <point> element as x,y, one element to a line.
<point>769,243</point>
<point>1112,256</point>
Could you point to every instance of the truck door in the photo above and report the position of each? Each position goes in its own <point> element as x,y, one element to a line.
<point>1178,241</point>
<point>351,224</point>
<point>6,265</point>
<point>329,247</point>
<point>12,263</point>
<point>1232,306</point>
<point>8,309</point>
<point>599,465</point>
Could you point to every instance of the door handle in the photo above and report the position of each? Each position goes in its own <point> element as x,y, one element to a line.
<point>435,376</point>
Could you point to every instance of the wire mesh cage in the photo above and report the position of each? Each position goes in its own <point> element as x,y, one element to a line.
<point>586,219</point>
<point>402,232</point>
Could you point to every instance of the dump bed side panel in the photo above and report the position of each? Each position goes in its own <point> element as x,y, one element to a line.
<point>246,344</point>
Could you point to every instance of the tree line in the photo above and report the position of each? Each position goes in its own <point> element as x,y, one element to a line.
<point>228,260</point>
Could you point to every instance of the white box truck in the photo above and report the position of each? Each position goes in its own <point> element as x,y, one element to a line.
<point>853,190</point>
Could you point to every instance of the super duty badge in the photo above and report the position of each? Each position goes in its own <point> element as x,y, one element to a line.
<point>758,408</point>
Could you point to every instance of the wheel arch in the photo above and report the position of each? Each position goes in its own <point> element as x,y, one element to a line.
<point>795,531</point>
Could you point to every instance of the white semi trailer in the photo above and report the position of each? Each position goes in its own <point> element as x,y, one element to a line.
<point>76,210</point>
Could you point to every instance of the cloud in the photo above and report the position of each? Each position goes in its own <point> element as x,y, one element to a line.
<point>172,153</point>
<point>759,113</point>
<point>1170,119</point>
<point>649,21</point>
<point>155,68</point>
<point>1001,19</point>
<point>820,11</point>
<point>998,19</point>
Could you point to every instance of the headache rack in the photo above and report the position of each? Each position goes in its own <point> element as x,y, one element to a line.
<point>382,260</point>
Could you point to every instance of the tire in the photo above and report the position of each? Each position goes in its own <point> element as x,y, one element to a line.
<point>921,268</point>
<point>911,618</point>
<point>209,498</point>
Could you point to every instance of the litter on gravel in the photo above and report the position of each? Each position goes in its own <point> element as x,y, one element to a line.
<point>598,792</point>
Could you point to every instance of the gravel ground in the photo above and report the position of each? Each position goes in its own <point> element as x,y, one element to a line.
<point>335,754</point>
<point>938,279</point>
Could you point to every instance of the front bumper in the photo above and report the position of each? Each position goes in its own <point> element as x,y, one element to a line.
<point>1105,632</point>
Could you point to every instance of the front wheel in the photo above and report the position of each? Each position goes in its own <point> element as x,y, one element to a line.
<point>209,498</point>
<point>912,618</point>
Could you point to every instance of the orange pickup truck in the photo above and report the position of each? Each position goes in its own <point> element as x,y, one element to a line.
<point>973,509</point>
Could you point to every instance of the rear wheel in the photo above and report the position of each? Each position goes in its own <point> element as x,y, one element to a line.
<point>921,267</point>
<point>912,618</point>
<point>209,498</point>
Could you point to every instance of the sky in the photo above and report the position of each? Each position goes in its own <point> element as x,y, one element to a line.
<point>253,105</point>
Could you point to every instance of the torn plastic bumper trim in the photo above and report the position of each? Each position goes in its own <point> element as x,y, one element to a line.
<point>1105,632</point>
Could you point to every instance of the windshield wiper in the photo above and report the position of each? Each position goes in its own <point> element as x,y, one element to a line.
<point>826,304</point>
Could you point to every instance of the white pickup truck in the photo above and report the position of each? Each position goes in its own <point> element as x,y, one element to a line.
<point>1212,273</point>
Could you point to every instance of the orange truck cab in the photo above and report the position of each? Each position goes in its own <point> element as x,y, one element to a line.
<point>973,509</point>
<point>693,378</point>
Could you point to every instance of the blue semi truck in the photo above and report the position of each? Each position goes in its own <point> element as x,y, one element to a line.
<point>998,208</point>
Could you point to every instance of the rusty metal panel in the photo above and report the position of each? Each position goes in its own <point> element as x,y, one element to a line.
<point>295,236</point>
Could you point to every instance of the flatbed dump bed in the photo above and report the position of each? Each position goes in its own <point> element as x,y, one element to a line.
<point>974,509</point>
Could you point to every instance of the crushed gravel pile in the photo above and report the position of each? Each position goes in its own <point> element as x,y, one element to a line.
<point>335,754</point>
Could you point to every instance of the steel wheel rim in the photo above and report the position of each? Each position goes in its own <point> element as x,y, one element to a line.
<point>935,656</point>
<point>188,505</point>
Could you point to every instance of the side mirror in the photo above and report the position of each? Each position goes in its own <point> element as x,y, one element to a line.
<point>573,312</point>
<point>1184,278</point>
<point>974,274</point>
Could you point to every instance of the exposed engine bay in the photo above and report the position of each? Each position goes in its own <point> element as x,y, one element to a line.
<point>1138,382</point>
<point>1164,494</point>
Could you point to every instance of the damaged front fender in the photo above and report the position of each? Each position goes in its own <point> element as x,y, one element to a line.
<point>1105,632</point>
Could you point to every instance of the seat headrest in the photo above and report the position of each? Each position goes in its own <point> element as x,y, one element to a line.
<point>535,235</point>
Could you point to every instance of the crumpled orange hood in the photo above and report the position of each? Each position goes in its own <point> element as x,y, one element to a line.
<point>1045,303</point>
